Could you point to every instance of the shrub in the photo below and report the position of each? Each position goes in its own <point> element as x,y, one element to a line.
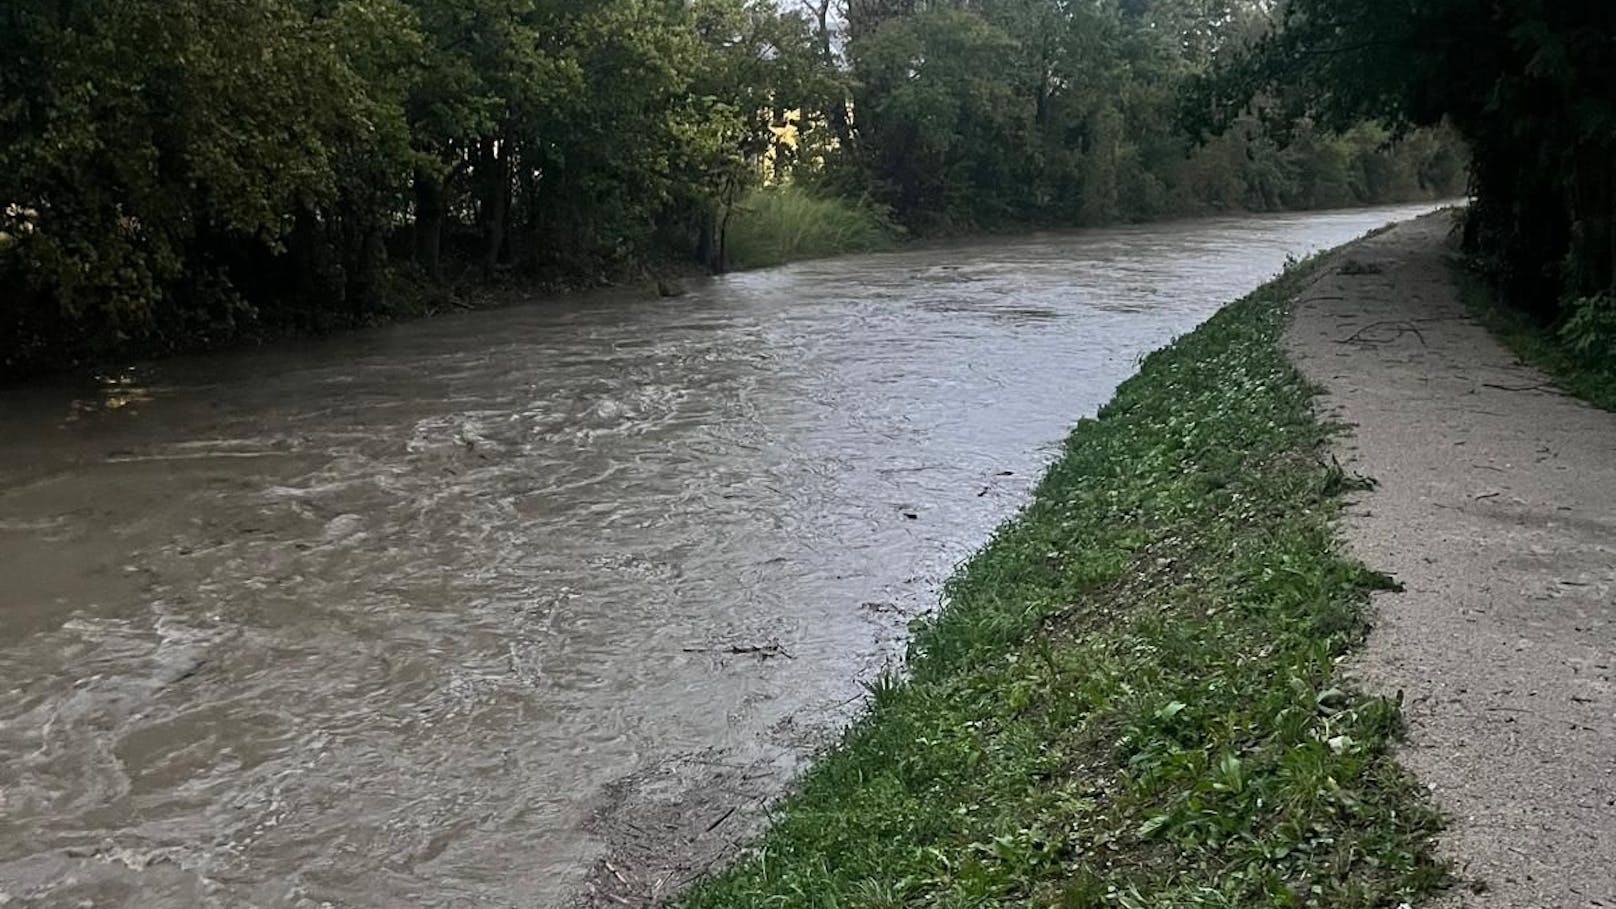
<point>782,224</point>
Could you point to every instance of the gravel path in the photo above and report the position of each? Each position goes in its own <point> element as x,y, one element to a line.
<point>1496,508</point>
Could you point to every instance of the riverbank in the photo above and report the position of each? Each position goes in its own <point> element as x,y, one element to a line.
<point>1133,696</point>
<point>784,228</point>
<point>1494,509</point>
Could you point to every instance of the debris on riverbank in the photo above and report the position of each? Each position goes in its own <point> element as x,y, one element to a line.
<point>1132,698</point>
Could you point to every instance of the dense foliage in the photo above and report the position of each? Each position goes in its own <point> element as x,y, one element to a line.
<point>1014,111</point>
<point>175,173</point>
<point>1530,85</point>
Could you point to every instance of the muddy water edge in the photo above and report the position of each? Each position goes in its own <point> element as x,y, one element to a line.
<point>534,606</point>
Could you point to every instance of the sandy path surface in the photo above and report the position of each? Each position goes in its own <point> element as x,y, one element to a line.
<point>1496,508</point>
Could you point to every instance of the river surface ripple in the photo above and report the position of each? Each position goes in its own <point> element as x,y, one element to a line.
<point>429,614</point>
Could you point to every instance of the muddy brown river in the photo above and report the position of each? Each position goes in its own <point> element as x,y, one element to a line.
<point>532,606</point>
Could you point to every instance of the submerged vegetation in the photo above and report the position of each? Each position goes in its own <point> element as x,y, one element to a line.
<point>1131,697</point>
<point>182,173</point>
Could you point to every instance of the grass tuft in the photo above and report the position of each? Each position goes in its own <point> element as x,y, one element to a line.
<point>1131,697</point>
<point>785,224</point>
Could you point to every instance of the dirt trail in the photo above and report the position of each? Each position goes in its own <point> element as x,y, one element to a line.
<point>1496,508</point>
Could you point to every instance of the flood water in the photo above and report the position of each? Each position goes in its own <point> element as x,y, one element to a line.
<point>450,613</point>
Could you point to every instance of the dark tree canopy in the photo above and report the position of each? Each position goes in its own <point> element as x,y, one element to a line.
<point>1529,84</point>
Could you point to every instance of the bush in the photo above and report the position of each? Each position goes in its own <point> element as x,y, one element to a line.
<point>1589,331</point>
<point>783,224</point>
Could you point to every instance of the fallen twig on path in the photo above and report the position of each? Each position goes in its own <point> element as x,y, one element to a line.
<point>1541,386</point>
<point>1401,328</point>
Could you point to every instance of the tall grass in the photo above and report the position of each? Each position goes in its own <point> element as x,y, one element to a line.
<point>784,224</point>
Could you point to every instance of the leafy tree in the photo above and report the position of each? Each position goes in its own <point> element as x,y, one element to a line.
<point>147,144</point>
<point>938,116</point>
<point>998,112</point>
<point>1529,85</point>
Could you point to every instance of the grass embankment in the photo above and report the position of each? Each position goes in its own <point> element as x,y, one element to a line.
<point>1590,377</point>
<point>785,224</point>
<point>1132,697</point>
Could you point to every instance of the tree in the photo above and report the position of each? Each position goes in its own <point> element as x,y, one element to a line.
<point>145,145</point>
<point>1530,86</point>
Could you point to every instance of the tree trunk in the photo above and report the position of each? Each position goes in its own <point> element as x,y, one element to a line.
<point>429,216</point>
<point>364,275</point>
<point>495,206</point>
<point>311,253</point>
<point>707,239</point>
<point>1593,200</point>
<point>721,261</point>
